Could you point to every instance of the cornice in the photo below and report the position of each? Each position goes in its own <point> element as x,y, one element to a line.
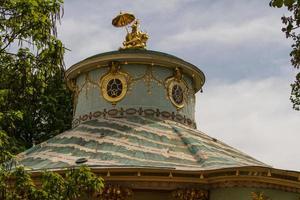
<point>138,57</point>
<point>250,176</point>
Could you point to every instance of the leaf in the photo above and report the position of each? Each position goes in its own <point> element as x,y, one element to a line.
<point>277,3</point>
<point>289,27</point>
<point>35,105</point>
<point>289,3</point>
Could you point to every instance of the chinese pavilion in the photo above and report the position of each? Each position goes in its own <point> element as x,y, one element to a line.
<point>134,125</point>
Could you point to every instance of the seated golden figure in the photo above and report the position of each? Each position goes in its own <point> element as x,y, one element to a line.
<point>136,38</point>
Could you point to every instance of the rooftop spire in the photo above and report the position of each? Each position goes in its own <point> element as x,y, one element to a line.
<point>136,39</point>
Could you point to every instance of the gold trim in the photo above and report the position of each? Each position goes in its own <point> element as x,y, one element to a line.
<point>171,82</point>
<point>259,196</point>
<point>148,77</point>
<point>104,83</point>
<point>147,57</point>
<point>115,192</point>
<point>76,90</point>
<point>190,194</point>
<point>218,178</point>
<point>73,87</point>
<point>114,73</point>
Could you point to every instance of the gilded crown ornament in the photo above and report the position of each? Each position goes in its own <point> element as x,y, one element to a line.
<point>136,39</point>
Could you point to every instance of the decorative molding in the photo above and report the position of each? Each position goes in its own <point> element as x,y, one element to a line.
<point>76,90</point>
<point>255,184</point>
<point>148,77</point>
<point>73,87</point>
<point>138,57</point>
<point>259,196</point>
<point>114,84</point>
<point>121,112</point>
<point>127,82</point>
<point>115,192</point>
<point>190,194</point>
<point>177,89</point>
<point>213,179</point>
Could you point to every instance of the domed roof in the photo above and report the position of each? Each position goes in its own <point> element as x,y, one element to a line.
<point>134,142</point>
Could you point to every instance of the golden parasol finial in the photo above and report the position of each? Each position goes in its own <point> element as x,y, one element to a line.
<point>136,39</point>
<point>123,19</point>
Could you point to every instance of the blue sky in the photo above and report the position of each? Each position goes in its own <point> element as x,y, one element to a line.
<point>237,44</point>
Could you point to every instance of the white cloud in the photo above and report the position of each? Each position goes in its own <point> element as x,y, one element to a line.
<point>256,31</point>
<point>85,39</point>
<point>147,7</point>
<point>254,116</point>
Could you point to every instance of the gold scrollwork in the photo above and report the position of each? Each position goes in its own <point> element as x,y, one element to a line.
<point>177,89</point>
<point>73,87</point>
<point>115,192</point>
<point>190,194</point>
<point>175,82</point>
<point>148,78</point>
<point>114,84</point>
<point>76,90</point>
<point>259,196</point>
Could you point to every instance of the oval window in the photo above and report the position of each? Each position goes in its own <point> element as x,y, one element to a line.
<point>177,94</point>
<point>114,88</point>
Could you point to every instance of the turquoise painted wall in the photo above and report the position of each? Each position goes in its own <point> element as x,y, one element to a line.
<point>91,100</point>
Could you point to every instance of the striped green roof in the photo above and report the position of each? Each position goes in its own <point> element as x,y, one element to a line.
<point>135,142</point>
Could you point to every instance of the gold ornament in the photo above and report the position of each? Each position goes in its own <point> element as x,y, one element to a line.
<point>136,39</point>
<point>123,19</point>
<point>148,79</point>
<point>177,89</point>
<point>259,196</point>
<point>114,84</point>
<point>71,84</point>
<point>116,192</point>
<point>190,194</point>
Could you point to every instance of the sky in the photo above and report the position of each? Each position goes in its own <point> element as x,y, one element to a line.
<point>237,44</point>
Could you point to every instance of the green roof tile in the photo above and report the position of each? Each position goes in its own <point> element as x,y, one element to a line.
<point>135,142</point>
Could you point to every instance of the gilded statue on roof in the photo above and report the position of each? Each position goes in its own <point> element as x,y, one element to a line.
<point>136,39</point>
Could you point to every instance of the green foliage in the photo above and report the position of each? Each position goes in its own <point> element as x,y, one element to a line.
<point>295,96</point>
<point>23,186</point>
<point>291,30</point>
<point>5,148</point>
<point>34,101</point>
<point>280,3</point>
<point>78,183</point>
<point>82,184</point>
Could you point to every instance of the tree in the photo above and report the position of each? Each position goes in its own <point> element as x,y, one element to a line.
<point>34,101</point>
<point>74,184</point>
<point>5,149</point>
<point>291,30</point>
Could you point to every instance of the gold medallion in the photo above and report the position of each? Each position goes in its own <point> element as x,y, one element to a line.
<point>176,89</point>
<point>114,84</point>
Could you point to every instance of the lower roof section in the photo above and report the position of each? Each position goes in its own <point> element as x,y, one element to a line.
<point>171,179</point>
<point>134,142</point>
